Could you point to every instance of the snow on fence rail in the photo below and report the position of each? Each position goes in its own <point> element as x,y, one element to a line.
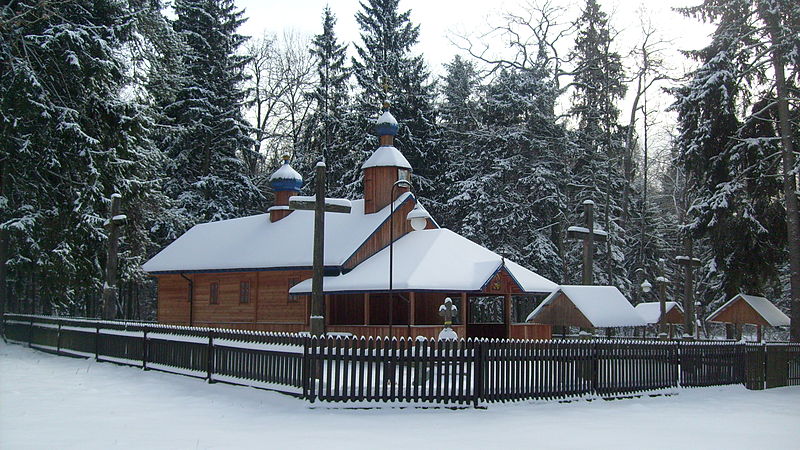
<point>472,371</point>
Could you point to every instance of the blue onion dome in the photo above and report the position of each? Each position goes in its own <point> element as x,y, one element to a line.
<point>386,125</point>
<point>286,178</point>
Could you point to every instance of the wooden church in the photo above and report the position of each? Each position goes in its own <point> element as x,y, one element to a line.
<point>254,272</point>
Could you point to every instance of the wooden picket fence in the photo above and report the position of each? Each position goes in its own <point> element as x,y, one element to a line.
<point>463,372</point>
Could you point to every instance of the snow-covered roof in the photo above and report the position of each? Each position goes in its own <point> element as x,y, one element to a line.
<point>256,243</point>
<point>286,172</point>
<point>765,308</point>
<point>387,156</point>
<point>430,260</point>
<point>603,306</point>
<point>386,117</point>
<point>651,311</point>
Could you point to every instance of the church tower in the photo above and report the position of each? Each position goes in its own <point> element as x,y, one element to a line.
<point>384,167</point>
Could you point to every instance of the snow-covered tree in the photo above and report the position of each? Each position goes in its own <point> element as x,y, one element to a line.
<point>73,130</point>
<point>386,70</point>
<point>729,146</point>
<point>205,174</point>
<point>597,169</point>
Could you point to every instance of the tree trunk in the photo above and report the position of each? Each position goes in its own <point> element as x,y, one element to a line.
<point>789,178</point>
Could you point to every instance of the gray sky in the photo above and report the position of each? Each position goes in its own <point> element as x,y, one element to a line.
<point>441,20</point>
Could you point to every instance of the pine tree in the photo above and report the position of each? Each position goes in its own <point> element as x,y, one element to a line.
<point>71,134</point>
<point>385,59</point>
<point>206,176</point>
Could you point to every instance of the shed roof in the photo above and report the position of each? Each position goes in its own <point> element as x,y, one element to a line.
<point>763,307</point>
<point>431,260</point>
<point>651,311</point>
<point>256,243</point>
<point>603,306</point>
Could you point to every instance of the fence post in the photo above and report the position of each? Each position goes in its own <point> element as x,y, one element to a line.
<point>58,337</point>
<point>595,368</point>
<point>210,356</point>
<point>477,391</point>
<point>144,347</point>
<point>97,341</point>
<point>304,369</point>
<point>30,333</point>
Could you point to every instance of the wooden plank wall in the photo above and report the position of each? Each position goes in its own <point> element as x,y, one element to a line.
<point>378,182</point>
<point>562,312</point>
<point>269,302</point>
<point>742,313</point>
<point>530,331</point>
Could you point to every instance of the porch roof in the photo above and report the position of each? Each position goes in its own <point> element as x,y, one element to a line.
<point>431,260</point>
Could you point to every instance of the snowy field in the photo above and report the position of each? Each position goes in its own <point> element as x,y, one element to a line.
<point>52,402</point>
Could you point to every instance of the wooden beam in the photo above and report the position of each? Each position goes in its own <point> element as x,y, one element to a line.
<point>412,308</point>
<point>464,306</point>
<point>366,308</point>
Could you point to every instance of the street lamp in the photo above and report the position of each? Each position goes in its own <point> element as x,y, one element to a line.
<point>419,220</point>
<point>646,287</point>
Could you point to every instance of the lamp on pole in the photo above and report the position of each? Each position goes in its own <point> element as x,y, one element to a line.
<point>418,218</point>
<point>646,288</point>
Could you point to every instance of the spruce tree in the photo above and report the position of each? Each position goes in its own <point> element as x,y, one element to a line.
<point>327,128</point>
<point>728,136</point>
<point>385,60</point>
<point>206,176</point>
<point>72,132</point>
<point>597,170</point>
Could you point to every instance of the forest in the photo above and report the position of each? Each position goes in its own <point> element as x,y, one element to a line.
<point>185,118</point>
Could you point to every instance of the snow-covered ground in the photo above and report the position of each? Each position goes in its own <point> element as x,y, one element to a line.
<point>48,401</point>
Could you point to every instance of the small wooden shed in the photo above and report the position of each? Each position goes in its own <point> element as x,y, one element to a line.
<point>745,309</point>
<point>651,313</point>
<point>586,307</point>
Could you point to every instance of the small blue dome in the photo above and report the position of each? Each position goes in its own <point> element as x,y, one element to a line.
<point>286,178</point>
<point>386,125</point>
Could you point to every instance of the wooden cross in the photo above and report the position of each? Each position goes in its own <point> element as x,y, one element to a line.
<point>689,263</point>
<point>447,311</point>
<point>320,205</point>
<point>589,235</point>
<point>115,221</point>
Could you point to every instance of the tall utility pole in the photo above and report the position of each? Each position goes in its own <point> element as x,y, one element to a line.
<point>588,235</point>
<point>115,221</point>
<point>320,205</point>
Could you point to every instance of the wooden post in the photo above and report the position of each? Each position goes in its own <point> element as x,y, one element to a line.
<point>463,312</point>
<point>319,205</point>
<point>317,299</point>
<point>588,235</point>
<point>507,314</point>
<point>759,336</point>
<point>366,308</point>
<point>662,301</point>
<point>412,309</point>
<point>689,263</point>
<point>112,249</point>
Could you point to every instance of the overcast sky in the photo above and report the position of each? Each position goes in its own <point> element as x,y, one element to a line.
<point>441,20</point>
